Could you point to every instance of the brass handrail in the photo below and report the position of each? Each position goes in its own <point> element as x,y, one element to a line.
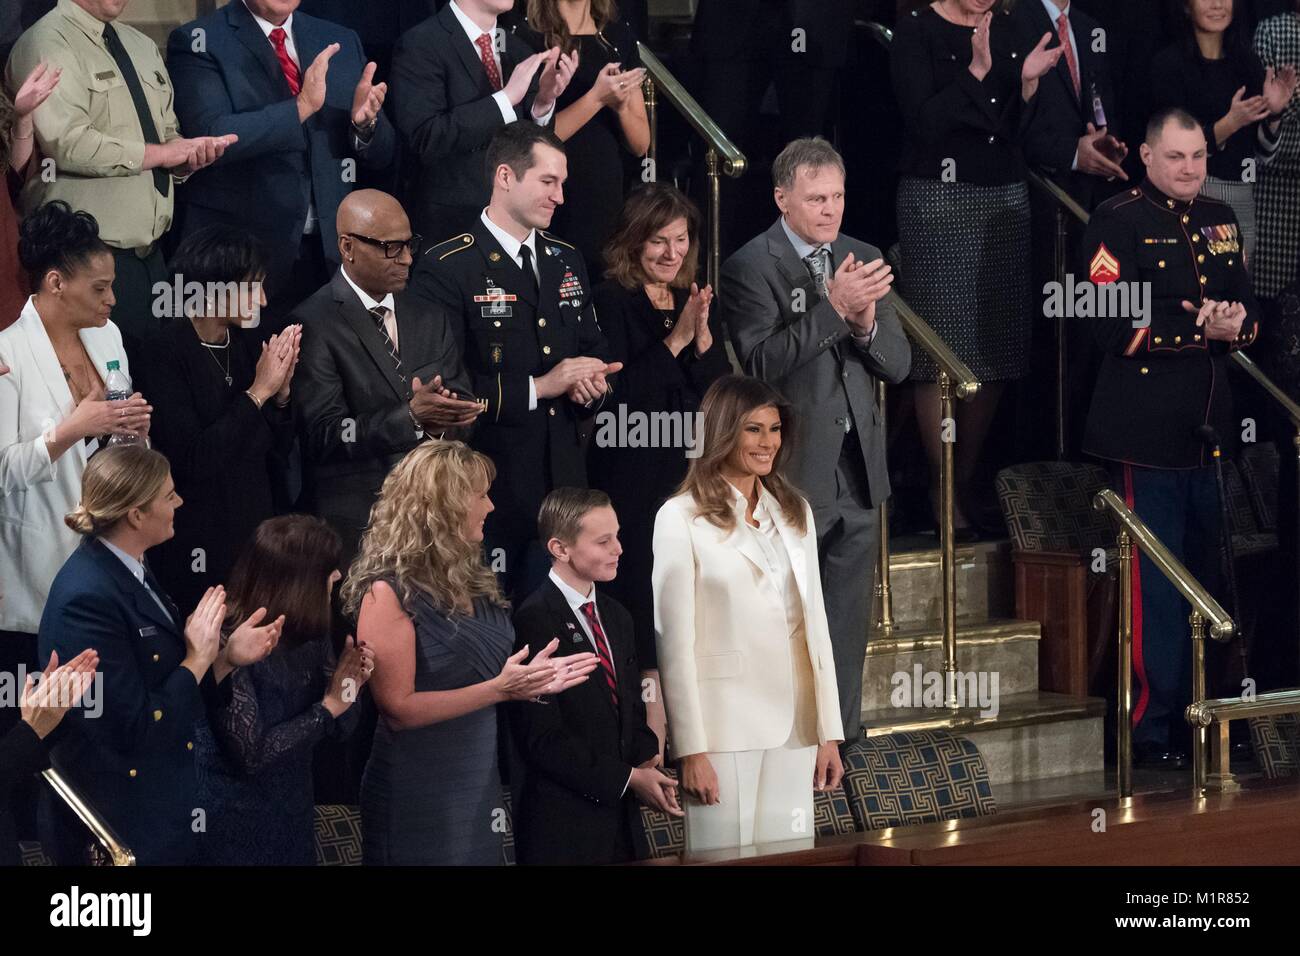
<point>99,828</point>
<point>1214,718</point>
<point>1063,199</point>
<point>1204,608</point>
<point>1221,627</point>
<point>1246,364</point>
<point>722,156</point>
<point>964,382</point>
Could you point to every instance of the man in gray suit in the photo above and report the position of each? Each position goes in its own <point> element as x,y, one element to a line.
<point>802,303</point>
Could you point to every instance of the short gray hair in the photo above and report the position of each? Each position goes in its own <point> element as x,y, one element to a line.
<point>813,151</point>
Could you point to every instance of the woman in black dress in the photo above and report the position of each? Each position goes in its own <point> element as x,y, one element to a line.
<point>440,629</point>
<point>963,87</point>
<point>656,320</point>
<point>222,416</point>
<point>1211,72</point>
<point>255,761</point>
<point>601,115</point>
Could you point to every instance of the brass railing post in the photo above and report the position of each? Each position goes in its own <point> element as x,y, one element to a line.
<point>1199,763</point>
<point>947,556</point>
<point>886,620</point>
<point>1124,724</point>
<point>711,167</point>
<point>652,117</point>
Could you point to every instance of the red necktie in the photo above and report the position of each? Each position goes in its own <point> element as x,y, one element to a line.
<point>602,650</point>
<point>287,66</point>
<point>1063,32</point>
<point>484,44</point>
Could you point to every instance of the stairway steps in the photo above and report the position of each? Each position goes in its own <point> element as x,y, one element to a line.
<point>1008,648</point>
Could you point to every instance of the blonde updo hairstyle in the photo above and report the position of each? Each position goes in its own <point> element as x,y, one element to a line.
<point>116,480</point>
<point>414,540</point>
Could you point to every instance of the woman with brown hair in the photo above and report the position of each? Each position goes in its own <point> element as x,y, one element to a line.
<point>441,633</point>
<point>601,115</point>
<point>657,322</point>
<point>130,750</point>
<point>744,649</point>
<point>255,761</point>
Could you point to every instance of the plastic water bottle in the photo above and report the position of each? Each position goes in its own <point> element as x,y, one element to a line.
<point>118,388</point>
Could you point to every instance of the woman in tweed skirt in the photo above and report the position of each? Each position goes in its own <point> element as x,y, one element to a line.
<point>963,206</point>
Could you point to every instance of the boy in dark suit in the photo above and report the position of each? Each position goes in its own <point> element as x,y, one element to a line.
<point>589,755</point>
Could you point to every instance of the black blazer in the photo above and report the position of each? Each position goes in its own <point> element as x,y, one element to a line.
<point>353,411</point>
<point>228,457</point>
<point>134,762</point>
<point>525,334</point>
<point>22,754</point>
<point>1052,130</point>
<point>579,751</point>
<point>442,104</point>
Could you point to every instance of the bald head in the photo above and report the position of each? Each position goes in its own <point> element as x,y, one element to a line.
<point>367,219</point>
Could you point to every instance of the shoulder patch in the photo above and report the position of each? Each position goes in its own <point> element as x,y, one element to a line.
<point>449,247</point>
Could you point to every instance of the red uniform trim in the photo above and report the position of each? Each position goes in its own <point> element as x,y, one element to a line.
<point>1144,687</point>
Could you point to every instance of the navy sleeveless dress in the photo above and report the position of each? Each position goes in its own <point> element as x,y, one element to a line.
<point>431,796</point>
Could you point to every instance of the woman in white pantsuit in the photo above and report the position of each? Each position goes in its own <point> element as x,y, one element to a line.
<point>744,652</point>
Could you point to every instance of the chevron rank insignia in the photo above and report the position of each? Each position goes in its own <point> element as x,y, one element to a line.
<point>1104,267</point>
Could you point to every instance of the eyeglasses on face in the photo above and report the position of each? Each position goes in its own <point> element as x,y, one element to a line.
<point>392,247</point>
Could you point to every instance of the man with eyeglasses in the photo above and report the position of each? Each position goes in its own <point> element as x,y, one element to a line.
<point>379,369</point>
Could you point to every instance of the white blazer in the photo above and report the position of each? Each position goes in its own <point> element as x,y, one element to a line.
<point>36,493</point>
<point>725,661</point>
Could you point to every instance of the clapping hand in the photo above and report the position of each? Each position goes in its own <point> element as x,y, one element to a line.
<point>1101,154</point>
<point>61,688</point>
<point>311,94</point>
<point>556,71</point>
<point>570,671</point>
<point>587,390</point>
<point>275,366</point>
<point>36,89</point>
<point>203,631</point>
<point>1221,320</point>
<point>356,664</point>
<point>367,99</point>
<point>1246,109</point>
<point>696,311</point>
<point>1279,86</point>
<point>437,407</point>
<point>253,641</point>
<point>981,60</point>
<point>1039,60</point>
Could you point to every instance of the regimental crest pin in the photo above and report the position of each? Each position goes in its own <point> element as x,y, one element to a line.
<point>494,257</point>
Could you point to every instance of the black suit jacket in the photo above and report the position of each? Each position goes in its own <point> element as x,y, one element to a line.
<point>353,410</point>
<point>578,749</point>
<point>442,103</point>
<point>528,334</point>
<point>1052,130</point>
<point>134,762</point>
<point>755,29</point>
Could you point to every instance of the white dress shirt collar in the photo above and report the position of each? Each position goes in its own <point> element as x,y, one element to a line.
<point>133,564</point>
<point>1054,12</point>
<point>469,26</point>
<point>366,298</point>
<point>804,249</point>
<point>267,26</point>
<point>509,243</point>
<point>767,505</point>
<point>571,594</point>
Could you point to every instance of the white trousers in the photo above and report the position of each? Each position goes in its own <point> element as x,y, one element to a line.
<point>765,796</point>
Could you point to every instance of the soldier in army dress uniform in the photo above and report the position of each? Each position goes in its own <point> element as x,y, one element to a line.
<point>520,302</point>
<point>1163,377</point>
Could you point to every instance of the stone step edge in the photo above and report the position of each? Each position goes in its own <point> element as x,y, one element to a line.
<point>996,630</point>
<point>1057,708</point>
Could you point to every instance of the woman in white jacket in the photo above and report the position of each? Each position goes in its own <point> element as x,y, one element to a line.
<point>744,651</point>
<point>51,403</point>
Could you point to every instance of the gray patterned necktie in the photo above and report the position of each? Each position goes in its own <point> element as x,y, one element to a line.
<point>381,319</point>
<point>819,267</point>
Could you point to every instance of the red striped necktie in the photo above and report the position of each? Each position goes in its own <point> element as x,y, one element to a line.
<point>287,66</point>
<point>602,650</point>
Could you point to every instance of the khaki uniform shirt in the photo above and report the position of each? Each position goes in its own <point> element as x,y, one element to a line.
<point>90,128</point>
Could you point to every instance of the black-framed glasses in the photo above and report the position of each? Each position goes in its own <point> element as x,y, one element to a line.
<point>392,247</point>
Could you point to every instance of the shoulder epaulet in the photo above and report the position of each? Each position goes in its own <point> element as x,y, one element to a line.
<point>1204,200</point>
<point>449,247</point>
<point>1119,199</point>
<point>550,238</point>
